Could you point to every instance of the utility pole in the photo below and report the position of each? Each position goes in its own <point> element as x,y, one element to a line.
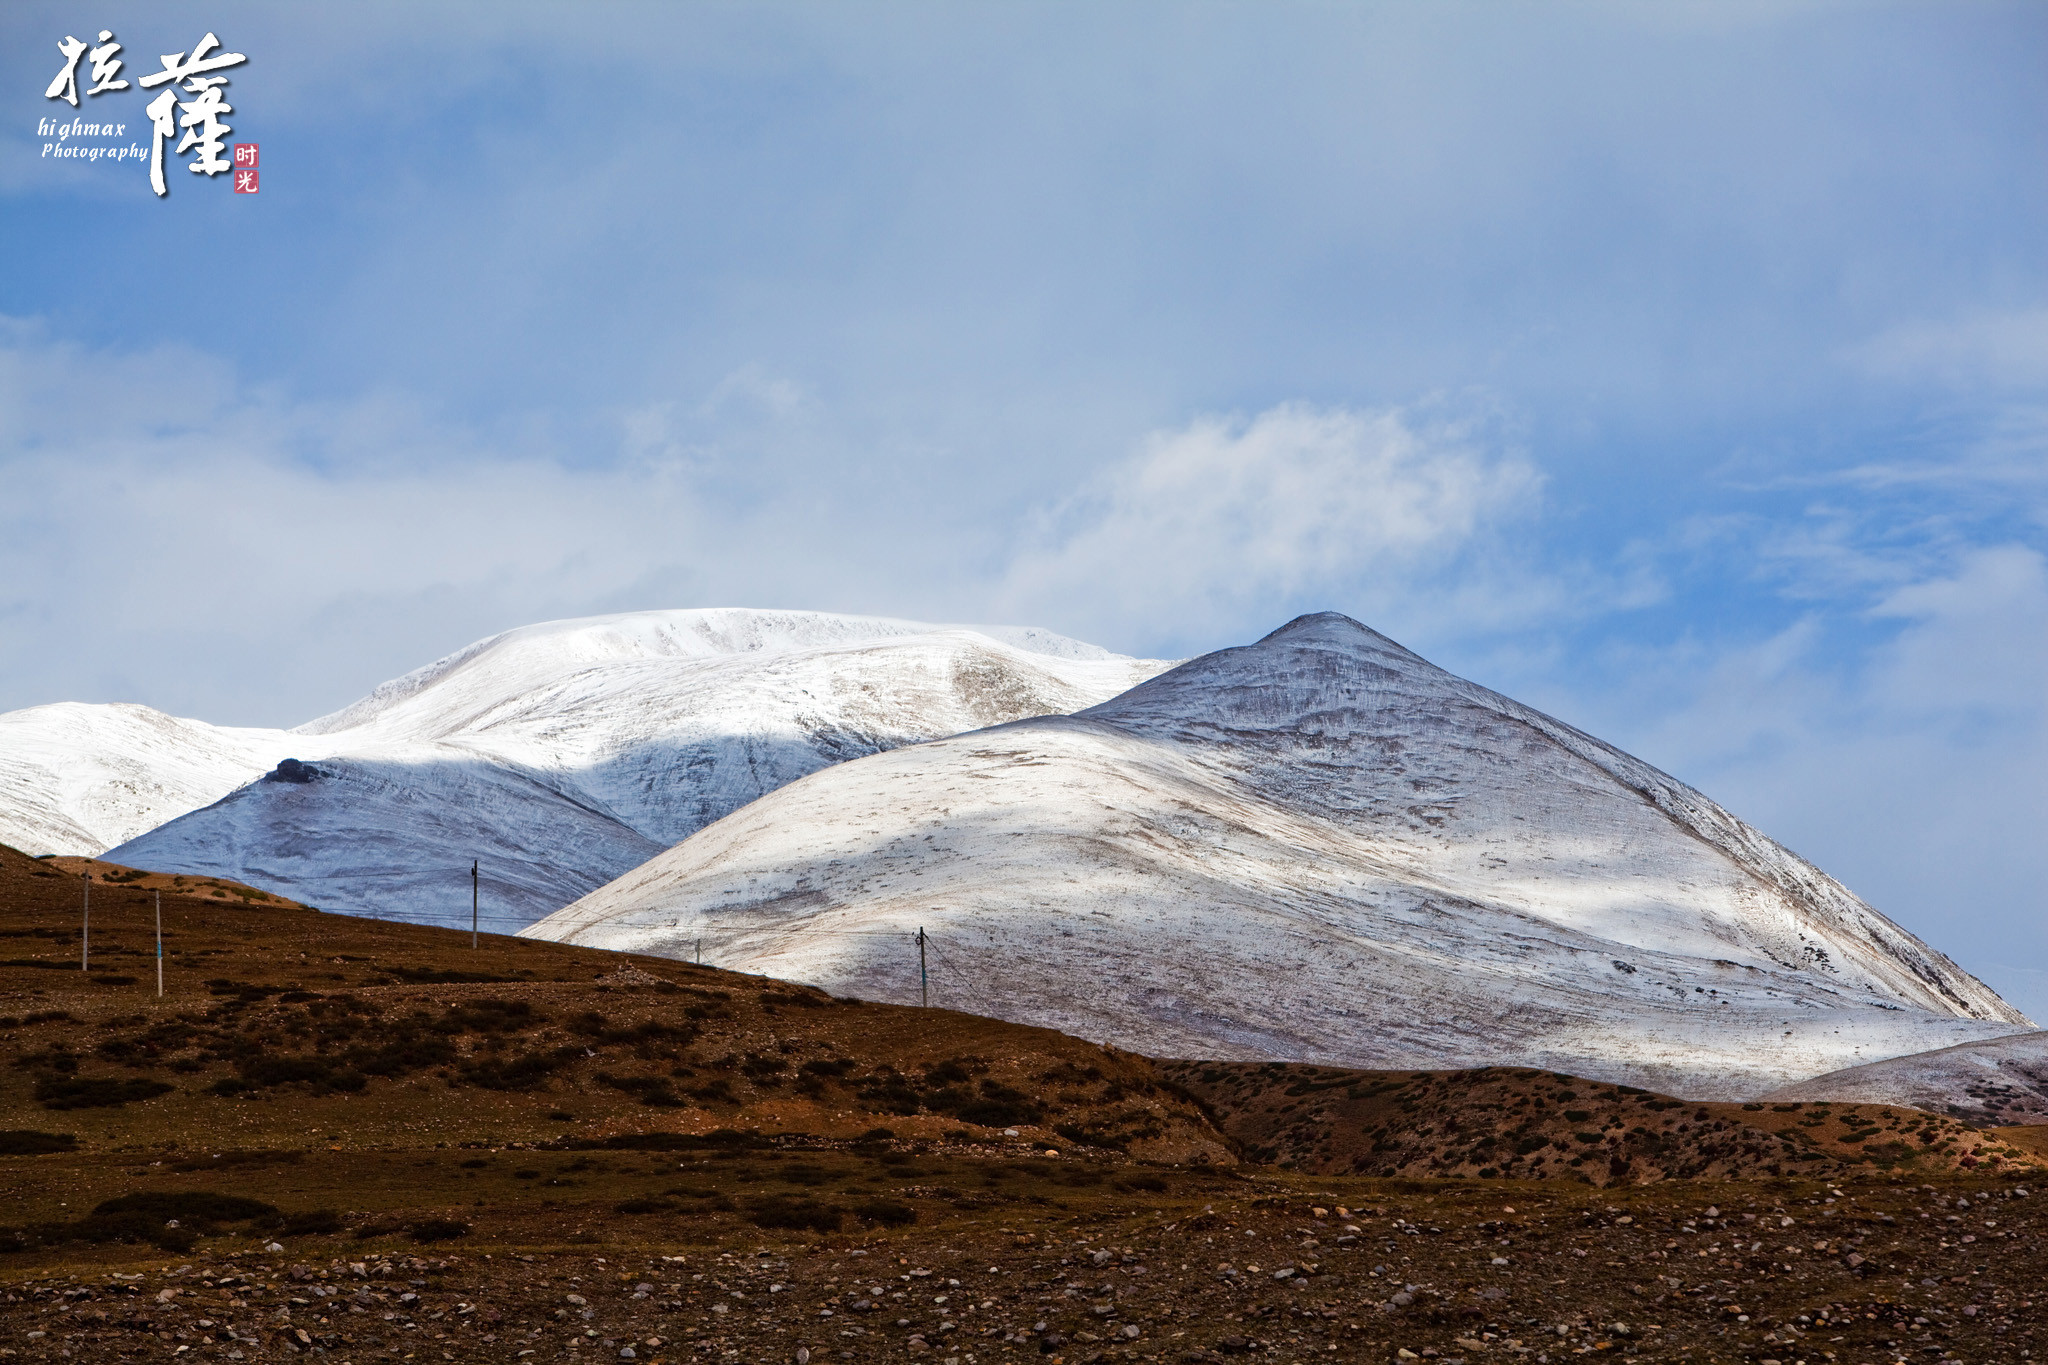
<point>924,990</point>
<point>159,943</point>
<point>700,951</point>
<point>473,881</point>
<point>85,927</point>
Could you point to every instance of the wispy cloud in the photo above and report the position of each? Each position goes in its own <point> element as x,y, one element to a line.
<point>2003,350</point>
<point>1224,517</point>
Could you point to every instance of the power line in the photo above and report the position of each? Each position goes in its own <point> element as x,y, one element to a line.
<point>973,996</point>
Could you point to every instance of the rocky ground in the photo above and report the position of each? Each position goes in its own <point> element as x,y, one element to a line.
<point>1105,1268</point>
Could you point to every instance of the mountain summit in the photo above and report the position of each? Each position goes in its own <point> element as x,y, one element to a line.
<point>1319,847</point>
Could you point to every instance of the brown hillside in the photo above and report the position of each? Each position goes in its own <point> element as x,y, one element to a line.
<point>281,1024</point>
<point>1510,1122</point>
<point>106,874</point>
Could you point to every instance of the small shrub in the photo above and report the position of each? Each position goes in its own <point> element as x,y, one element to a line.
<point>886,1212</point>
<point>315,1223</point>
<point>639,1206</point>
<point>189,1205</point>
<point>803,1173</point>
<point>522,1071</point>
<point>441,976</point>
<point>781,1211</point>
<point>244,991</point>
<point>652,1090</point>
<point>438,1230</point>
<point>802,1002</point>
<point>315,1074</point>
<point>381,1227</point>
<point>255,1156</point>
<point>491,1016</point>
<point>406,1049</point>
<point>29,1142</point>
<point>94,1092</point>
<point>834,1067</point>
<point>57,1057</point>
<point>997,1106</point>
<point>890,1093</point>
<point>147,1216</point>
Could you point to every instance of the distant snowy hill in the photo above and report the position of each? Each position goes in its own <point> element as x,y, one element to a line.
<point>1996,1082</point>
<point>559,755</point>
<point>1321,848</point>
<point>77,778</point>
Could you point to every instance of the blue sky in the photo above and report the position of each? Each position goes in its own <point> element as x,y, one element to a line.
<point>1679,368</point>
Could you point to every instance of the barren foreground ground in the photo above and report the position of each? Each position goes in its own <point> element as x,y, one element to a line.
<point>595,1256</point>
<point>353,1141</point>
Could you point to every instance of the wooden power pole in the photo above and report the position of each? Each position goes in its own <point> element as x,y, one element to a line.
<point>924,990</point>
<point>85,927</point>
<point>473,880</point>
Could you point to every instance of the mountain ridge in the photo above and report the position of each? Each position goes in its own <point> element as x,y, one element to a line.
<point>564,753</point>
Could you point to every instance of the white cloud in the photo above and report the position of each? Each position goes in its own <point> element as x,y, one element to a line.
<point>1977,640</point>
<point>324,546</point>
<point>1225,518</point>
<point>1999,349</point>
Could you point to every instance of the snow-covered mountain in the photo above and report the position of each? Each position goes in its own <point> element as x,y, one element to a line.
<point>1320,848</point>
<point>79,779</point>
<point>561,755</point>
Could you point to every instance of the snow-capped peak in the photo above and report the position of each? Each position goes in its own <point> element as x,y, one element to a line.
<point>1315,847</point>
